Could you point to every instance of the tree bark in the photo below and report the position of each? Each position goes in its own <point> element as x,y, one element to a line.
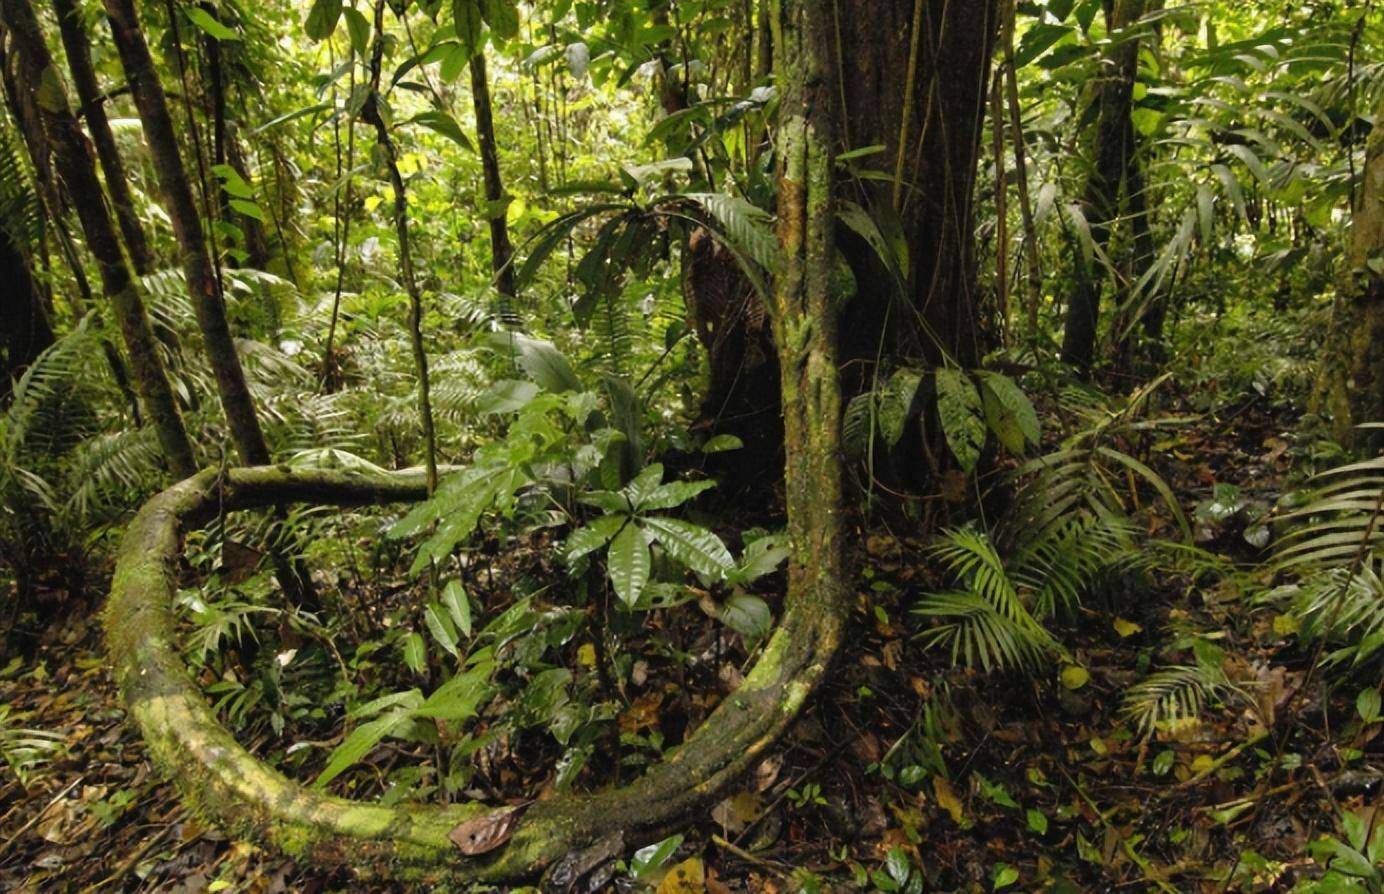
<point>934,129</point>
<point>501,253</point>
<point>24,327</point>
<point>78,170</point>
<point>74,41</point>
<point>1111,149</point>
<point>198,265</point>
<point>1352,379</point>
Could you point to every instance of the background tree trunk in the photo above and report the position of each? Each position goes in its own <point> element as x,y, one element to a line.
<point>24,328</point>
<point>78,170</point>
<point>187,227</point>
<point>1352,379</point>
<point>1111,150</point>
<point>93,107</point>
<point>501,252</point>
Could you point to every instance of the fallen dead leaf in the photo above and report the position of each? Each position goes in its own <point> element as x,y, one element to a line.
<point>486,832</point>
<point>688,877</point>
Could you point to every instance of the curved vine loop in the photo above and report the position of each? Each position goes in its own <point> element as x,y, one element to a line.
<point>226,785</point>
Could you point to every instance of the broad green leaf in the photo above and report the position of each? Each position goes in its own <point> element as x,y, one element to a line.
<point>543,362</point>
<point>458,605</point>
<point>1351,862</point>
<point>51,95</point>
<point>643,485</point>
<point>439,625</point>
<point>1037,41</point>
<point>962,414</point>
<point>469,24</point>
<point>1008,411</point>
<point>1368,704</point>
<point>691,545</point>
<point>722,443</point>
<point>249,209</point>
<point>762,556</point>
<point>502,16</point>
<point>895,400</point>
<point>460,697</point>
<point>747,615</point>
<point>441,122</point>
<point>358,27</point>
<point>208,23</point>
<point>654,171</point>
<point>858,219</point>
<point>628,563</point>
<point>232,182</point>
<point>674,493</point>
<point>359,743</point>
<point>592,537</point>
<point>455,61</point>
<point>415,653</point>
<point>1206,204</point>
<point>322,18</point>
<point>507,396</point>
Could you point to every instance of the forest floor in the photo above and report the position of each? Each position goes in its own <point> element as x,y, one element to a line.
<point>1045,786</point>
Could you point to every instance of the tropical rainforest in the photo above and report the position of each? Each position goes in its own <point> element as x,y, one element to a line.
<point>692,445</point>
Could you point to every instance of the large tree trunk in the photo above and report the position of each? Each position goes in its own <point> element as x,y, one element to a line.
<point>198,264</point>
<point>74,41</point>
<point>1112,149</point>
<point>936,116</point>
<point>1352,380</point>
<point>78,171</point>
<point>928,116</point>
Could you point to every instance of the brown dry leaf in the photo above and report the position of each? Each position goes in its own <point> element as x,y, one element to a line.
<point>892,654</point>
<point>767,772</point>
<point>736,812</point>
<point>486,832</point>
<point>643,713</point>
<point>238,561</point>
<point>946,796</point>
<point>688,877</point>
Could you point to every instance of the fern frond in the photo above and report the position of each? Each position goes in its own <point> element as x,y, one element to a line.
<point>979,635</point>
<point>1173,697</point>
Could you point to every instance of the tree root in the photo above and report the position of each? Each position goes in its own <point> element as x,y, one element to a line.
<point>227,786</point>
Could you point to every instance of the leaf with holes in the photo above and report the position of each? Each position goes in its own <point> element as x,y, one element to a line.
<point>962,414</point>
